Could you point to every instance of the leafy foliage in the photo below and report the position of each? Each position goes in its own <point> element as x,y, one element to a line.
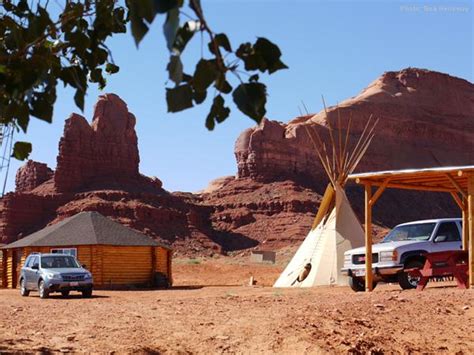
<point>38,52</point>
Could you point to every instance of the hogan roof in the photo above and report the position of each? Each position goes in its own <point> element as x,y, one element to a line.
<point>85,228</point>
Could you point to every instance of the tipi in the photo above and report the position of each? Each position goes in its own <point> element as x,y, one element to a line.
<point>336,228</point>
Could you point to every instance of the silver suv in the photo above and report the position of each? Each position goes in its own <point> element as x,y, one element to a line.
<point>403,248</point>
<point>49,273</point>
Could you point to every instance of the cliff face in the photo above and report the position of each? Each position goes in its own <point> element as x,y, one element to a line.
<point>31,175</point>
<point>425,117</point>
<point>103,151</point>
<point>97,170</point>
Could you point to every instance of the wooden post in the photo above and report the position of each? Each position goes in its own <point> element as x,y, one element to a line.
<point>368,239</point>
<point>470,218</point>
<point>465,229</point>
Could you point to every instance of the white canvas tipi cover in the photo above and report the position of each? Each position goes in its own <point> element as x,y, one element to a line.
<point>324,248</point>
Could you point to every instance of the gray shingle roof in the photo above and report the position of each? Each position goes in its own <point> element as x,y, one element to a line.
<point>85,228</point>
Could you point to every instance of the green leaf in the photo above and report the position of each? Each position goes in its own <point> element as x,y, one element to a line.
<point>138,11</point>
<point>112,68</point>
<point>179,98</point>
<point>170,27</point>
<point>205,74</point>
<point>263,56</point>
<point>218,112</point>
<point>251,98</point>
<point>254,78</point>
<point>183,36</point>
<point>199,96</point>
<point>270,53</point>
<point>79,99</point>
<point>42,108</point>
<point>163,6</point>
<point>175,69</point>
<point>222,84</point>
<point>21,150</point>
<point>222,41</point>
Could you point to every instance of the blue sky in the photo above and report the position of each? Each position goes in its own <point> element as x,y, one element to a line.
<point>333,48</point>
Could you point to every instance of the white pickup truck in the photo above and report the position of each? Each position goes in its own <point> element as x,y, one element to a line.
<point>403,248</point>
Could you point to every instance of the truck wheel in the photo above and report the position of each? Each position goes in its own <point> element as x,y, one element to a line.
<point>42,290</point>
<point>406,281</point>
<point>357,284</point>
<point>23,291</point>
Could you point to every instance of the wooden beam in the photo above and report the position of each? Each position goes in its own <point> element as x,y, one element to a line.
<point>456,185</point>
<point>395,185</point>
<point>470,219</point>
<point>379,192</point>
<point>459,202</point>
<point>465,230</point>
<point>368,239</point>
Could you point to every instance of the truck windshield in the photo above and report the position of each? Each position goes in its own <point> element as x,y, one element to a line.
<point>420,231</point>
<point>58,262</point>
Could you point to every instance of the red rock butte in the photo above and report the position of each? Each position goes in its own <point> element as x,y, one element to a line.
<point>426,119</point>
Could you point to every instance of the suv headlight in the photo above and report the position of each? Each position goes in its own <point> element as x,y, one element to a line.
<point>388,255</point>
<point>53,276</point>
<point>88,276</point>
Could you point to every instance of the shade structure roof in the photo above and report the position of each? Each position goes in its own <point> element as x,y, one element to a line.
<point>85,228</point>
<point>445,179</point>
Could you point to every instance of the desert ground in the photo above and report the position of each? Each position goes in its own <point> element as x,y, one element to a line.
<point>212,309</point>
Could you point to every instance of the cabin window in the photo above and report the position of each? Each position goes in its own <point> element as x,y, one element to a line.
<point>67,251</point>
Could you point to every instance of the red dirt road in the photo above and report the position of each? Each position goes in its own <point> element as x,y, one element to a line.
<point>241,319</point>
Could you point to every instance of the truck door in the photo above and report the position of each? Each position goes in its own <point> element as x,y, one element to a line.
<point>447,237</point>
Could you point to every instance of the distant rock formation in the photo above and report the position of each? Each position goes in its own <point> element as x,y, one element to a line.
<point>425,117</point>
<point>31,175</point>
<point>97,170</point>
<point>107,149</point>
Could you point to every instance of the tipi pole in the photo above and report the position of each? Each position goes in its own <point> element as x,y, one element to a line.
<point>368,239</point>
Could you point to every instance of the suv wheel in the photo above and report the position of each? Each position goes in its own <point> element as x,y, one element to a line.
<point>406,281</point>
<point>23,291</point>
<point>42,291</point>
<point>357,284</point>
<point>87,293</point>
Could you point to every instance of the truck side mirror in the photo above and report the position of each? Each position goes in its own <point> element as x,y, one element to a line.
<point>440,238</point>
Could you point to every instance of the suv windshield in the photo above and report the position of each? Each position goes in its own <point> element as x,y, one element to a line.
<point>58,262</point>
<point>421,231</point>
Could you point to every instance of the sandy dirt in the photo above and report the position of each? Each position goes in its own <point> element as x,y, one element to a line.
<point>203,315</point>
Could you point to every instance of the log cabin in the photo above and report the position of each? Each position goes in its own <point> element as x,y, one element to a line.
<point>117,256</point>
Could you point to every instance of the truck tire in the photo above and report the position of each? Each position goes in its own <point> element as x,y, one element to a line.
<point>406,281</point>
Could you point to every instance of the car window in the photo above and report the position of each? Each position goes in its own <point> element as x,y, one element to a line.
<point>450,230</point>
<point>34,260</point>
<point>58,262</point>
<point>28,261</point>
<point>420,231</point>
